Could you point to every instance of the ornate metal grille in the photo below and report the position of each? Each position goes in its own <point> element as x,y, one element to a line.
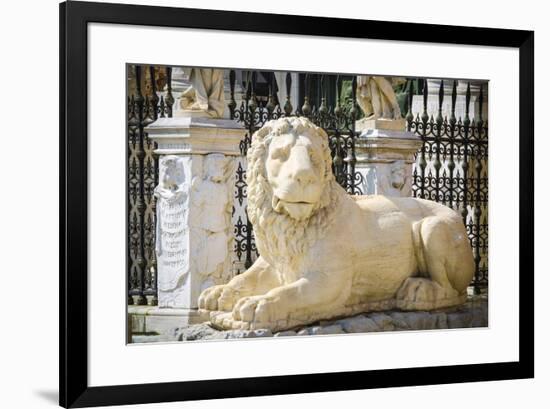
<point>144,107</point>
<point>452,167</point>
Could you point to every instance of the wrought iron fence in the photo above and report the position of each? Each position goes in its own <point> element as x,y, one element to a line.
<point>451,166</point>
<point>144,107</point>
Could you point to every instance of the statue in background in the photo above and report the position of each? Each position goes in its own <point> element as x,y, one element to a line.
<point>376,97</point>
<point>205,93</point>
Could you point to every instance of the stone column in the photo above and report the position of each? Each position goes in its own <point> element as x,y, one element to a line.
<point>385,156</point>
<point>194,234</point>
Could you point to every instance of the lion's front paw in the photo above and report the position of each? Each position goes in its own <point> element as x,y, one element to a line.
<point>257,309</point>
<point>218,298</point>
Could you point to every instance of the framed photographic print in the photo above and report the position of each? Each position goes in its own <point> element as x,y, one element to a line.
<point>259,204</point>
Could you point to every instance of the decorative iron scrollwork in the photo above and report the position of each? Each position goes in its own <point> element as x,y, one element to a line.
<point>452,167</point>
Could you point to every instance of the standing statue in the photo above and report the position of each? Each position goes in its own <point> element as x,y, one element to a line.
<point>376,97</point>
<point>205,93</point>
<point>326,254</point>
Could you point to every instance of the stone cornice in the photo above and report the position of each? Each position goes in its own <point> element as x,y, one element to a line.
<point>196,135</point>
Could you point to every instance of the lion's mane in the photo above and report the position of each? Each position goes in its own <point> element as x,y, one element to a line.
<point>280,239</point>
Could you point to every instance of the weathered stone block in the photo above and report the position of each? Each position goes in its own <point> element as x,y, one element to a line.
<point>399,320</point>
<point>137,323</point>
<point>480,317</point>
<point>383,321</point>
<point>441,320</point>
<point>258,333</point>
<point>472,314</point>
<point>142,339</point>
<point>459,319</point>
<point>194,332</point>
<point>329,329</point>
<point>421,320</point>
<point>358,324</point>
<point>285,334</point>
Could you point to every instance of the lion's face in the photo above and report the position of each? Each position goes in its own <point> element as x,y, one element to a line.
<point>295,170</point>
<point>292,193</point>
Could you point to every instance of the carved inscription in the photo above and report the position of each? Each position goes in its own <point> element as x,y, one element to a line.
<point>172,231</point>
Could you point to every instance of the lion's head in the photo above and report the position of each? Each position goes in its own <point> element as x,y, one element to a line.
<point>291,188</point>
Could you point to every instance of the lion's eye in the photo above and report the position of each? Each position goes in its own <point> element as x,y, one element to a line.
<point>280,153</point>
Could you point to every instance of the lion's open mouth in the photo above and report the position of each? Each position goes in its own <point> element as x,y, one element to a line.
<point>299,210</point>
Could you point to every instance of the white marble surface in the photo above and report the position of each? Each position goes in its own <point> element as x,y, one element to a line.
<point>172,231</point>
<point>195,198</point>
<point>196,135</point>
<point>385,159</point>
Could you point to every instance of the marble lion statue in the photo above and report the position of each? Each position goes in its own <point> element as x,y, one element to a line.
<point>326,254</point>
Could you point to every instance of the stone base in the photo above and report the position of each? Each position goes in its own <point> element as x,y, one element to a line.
<point>473,314</point>
<point>381,123</point>
<point>223,320</point>
<point>155,320</point>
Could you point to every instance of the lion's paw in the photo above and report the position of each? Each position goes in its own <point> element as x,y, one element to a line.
<point>218,298</point>
<point>255,309</point>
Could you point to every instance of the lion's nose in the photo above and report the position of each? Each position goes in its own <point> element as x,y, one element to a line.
<point>304,176</point>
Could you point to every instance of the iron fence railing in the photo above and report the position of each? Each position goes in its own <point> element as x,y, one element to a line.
<point>451,166</point>
<point>144,107</point>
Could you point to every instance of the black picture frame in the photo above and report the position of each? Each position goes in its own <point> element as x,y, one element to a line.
<point>73,379</point>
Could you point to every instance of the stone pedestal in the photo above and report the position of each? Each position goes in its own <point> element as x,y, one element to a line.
<point>385,156</point>
<point>194,232</point>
